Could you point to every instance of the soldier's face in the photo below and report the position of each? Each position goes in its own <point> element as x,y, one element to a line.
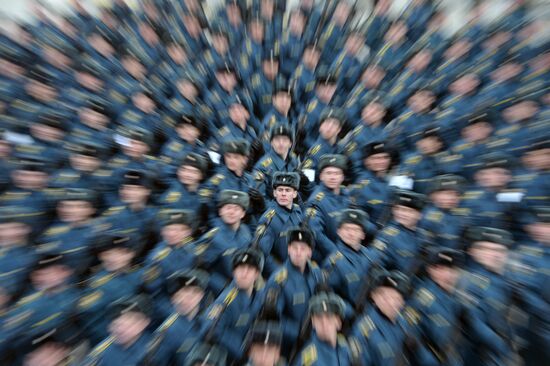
<point>492,256</point>
<point>74,211</point>
<point>326,326</point>
<point>537,159</point>
<point>238,113</point>
<point>265,355</point>
<point>128,327</point>
<point>227,80</point>
<point>477,132</point>
<point>520,111</point>
<point>220,43</point>
<point>299,253</point>
<point>325,92</point>
<point>89,81</point>
<point>297,23</point>
<point>174,234</point>
<point>50,354</point>
<point>311,57</point>
<point>285,195</point>
<point>85,163</point>
<point>540,232</point>
<point>444,276</point>
<point>143,102</point>
<point>406,216</point>
<point>187,299</point>
<point>281,145</point>
<point>177,53</point>
<point>332,177</point>
<point>116,259</point>
<point>330,128</point>
<point>13,233</point>
<point>257,31</point>
<point>422,101</point>
<point>50,277</point>
<point>245,275</point>
<point>354,43</point>
<point>92,118</point>
<point>132,194</point>
<point>373,113</point>
<point>135,148</point>
<point>372,76</point>
<point>388,300</point>
<point>378,163</point>
<point>429,145</point>
<point>445,199</point>
<point>270,68</point>
<point>29,179</point>
<point>45,132</point>
<point>493,178</point>
<point>189,175</point>
<point>231,213</point>
<point>282,101</point>
<point>351,234</point>
<point>235,162</point>
<point>188,132</point>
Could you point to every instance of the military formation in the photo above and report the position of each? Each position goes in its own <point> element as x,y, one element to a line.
<point>274,185</point>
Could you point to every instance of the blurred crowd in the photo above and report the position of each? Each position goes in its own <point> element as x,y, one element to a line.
<point>272,185</point>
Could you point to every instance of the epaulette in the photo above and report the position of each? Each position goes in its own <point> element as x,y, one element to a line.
<point>103,173</point>
<point>269,214</point>
<point>319,196</point>
<point>175,146</point>
<point>309,355</point>
<point>267,162</point>
<point>223,131</point>
<point>172,197</point>
<point>163,253</point>
<point>200,248</point>
<point>216,179</point>
<point>463,146</point>
<point>256,80</point>
<point>29,298</point>
<point>335,257</point>
<point>460,211</point>
<point>311,106</point>
<point>435,216</point>
<point>411,315</point>
<point>366,325</point>
<point>375,202</point>
<point>311,212</point>
<point>281,276</point>
<point>403,117</point>
<point>342,341</point>
<point>425,297</point>
<point>168,322</point>
<point>211,233</point>
<point>100,348</point>
<point>531,250</point>
<point>151,274</point>
<point>56,230</point>
<point>350,147</point>
<point>90,299</point>
<point>391,231</point>
<point>315,149</point>
<point>413,159</point>
<point>102,280</point>
<point>113,210</point>
<point>480,281</point>
<point>205,192</point>
<point>472,195</point>
<point>231,295</point>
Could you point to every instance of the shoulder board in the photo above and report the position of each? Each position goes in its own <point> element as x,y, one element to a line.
<point>102,280</point>
<point>342,342</point>
<point>463,146</point>
<point>168,322</point>
<point>335,257</point>
<point>403,117</point>
<point>267,162</point>
<point>411,315</point>
<point>103,173</point>
<point>315,149</point>
<point>216,179</point>
<point>90,299</point>
<point>211,233</point>
<point>175,146</point>
<point>413,159</point>
<point>56,230</point>
<point>425,297</point>
<point>231,296</point>
<point>311,212</point>
<point>460,211</point>
<point>200,248</point>
<point>472,195</point>
<point>391,231</point>
<point>162,254</point>
<point>30,298</point>
<point>309,355</point>
<point>319,196</point>
<point>311,106</point>
<point>480,281</point>
<point>223,131</point>
<point>281,276</point>
<point>366,326</point>
<point>531,250</point>
<point>434,216</point>
<point>100,348</point>
<point>205,192</point>
<point>172,197</point>
<point>113,210</point>
<point>269,214</point>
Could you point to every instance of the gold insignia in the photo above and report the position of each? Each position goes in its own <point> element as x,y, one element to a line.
<point>172,197</point>
<point>425,297</point>
<point>391,231</point>
<point>281,276</point>
<point>267,162</point>
<point>411,315</point>
<point>311,106</point>
<point>319,196</point>
<point>90,299</point>
<point>309,355</point>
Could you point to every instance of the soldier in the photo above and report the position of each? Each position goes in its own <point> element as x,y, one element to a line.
<point>294,284</point>
<point>351,258</point>
<point>487,295</point>
<point>436,310</point>
<point>75,210</point>
<point>204,354</point>
<point>129,322</point>
<point>304,75</point>
<point>181,331</point>
<point>230,316</point>
<point>332,122</point>
<point>263,344</point>
<point>329,198</point>
<point>443,222</point>
<point>293,42</point>
<point>93,124</point>
<point>399,241</point>
<point>371,190</point>
<point>383,334</point>
<point>229,234</point>
<point>272,225</point>
<point>279,112</point>
<point>116,278</point>
<point>325,346</point>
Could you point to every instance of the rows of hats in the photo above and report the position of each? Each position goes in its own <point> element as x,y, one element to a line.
<point>274,184</point>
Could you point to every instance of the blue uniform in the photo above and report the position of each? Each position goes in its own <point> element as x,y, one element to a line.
<point>271,163</point>
<point>273,226</point>
<point>103,289</point>
<point>177,196</point>
<point>325,204</point>
<point>15,264</point>
<point>110,353</point>
<point>236,311</point>
<point>485,208</point>
<point>319,353</point>
<point>216,249</point>
<point>294,290</point>
<point>319,148</point>
<point>400,246</point>
<point>443,227</point>
<point>371,193</point>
